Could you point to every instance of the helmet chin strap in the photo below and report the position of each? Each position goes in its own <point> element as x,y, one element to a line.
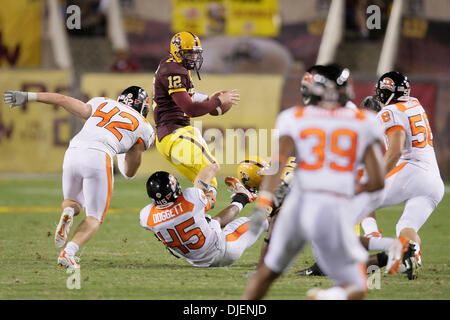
<point>389,100</point>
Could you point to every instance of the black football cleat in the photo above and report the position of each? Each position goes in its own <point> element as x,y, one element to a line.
<point>314,270</point>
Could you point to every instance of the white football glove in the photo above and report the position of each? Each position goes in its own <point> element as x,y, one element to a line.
<point>16,98</point>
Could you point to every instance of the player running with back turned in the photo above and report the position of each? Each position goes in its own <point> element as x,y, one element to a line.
<point>178,219</point>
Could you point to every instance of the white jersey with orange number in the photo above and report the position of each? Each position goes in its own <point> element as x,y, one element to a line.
<point>330,144</point>
<point>113,128</point>
<point>411,117</point>
<point>183,227</point>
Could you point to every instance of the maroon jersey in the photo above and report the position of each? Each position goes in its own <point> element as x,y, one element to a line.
<point>170,77</point>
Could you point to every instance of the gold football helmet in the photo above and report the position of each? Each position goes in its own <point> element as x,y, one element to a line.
<point>250,172</point>
<point>185,47</point>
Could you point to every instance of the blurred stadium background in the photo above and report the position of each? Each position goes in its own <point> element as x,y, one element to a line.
<point>260,47</point>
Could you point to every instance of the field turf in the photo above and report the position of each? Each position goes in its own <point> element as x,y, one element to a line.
<point>124,261</point>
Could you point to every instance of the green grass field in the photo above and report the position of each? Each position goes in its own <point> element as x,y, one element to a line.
<point>124,261</point>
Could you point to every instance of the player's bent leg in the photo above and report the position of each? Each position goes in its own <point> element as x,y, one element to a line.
<point>239,238</point>
<point>70,209</point>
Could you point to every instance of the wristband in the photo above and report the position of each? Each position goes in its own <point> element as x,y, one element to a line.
<point>238,205</point>
<point>31,96</point>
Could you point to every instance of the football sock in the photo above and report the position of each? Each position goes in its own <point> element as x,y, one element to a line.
<point>369,225</point>
<point>72,248</point>
<point>376,244</point>
<point>69,210</point>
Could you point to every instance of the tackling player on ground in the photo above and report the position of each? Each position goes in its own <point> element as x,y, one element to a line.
<point>178,219</point>
<point>175,102</point>
<point>112,127</point>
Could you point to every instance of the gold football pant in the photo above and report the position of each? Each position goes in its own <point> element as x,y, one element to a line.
<point>187,151</point>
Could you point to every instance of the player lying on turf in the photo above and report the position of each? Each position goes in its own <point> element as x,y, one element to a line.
<point>175,102</point>
<point>112,127</point>
<point>178,219</point>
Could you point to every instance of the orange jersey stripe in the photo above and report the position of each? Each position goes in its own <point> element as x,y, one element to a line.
<point>394,128</point>
<point>396,169</point>
<point>238,232</point>
<point>110,186</point>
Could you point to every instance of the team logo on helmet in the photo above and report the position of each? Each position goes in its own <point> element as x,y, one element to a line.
<point>245,177</point>
<point>173,183</point>
<point>176,41</point>
<point>158,195</point>
<point>387,83</point>
<point>307,77</point>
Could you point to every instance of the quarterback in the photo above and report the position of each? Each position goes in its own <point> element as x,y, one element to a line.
<point>175,102</point>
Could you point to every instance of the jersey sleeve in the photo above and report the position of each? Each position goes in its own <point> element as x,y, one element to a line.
<point>197,196</point>
<point>143,217</point>
<point>390,120</point>
<point>95,102</point>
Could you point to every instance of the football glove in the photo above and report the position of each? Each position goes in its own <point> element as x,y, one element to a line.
<point>16,98</point>
<point>279,195</point>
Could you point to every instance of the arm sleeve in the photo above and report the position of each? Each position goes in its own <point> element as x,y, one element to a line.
<point>194,109</point>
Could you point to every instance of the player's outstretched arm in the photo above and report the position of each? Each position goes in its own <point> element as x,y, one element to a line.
<point>197,109</point>
<point>74,106</point>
